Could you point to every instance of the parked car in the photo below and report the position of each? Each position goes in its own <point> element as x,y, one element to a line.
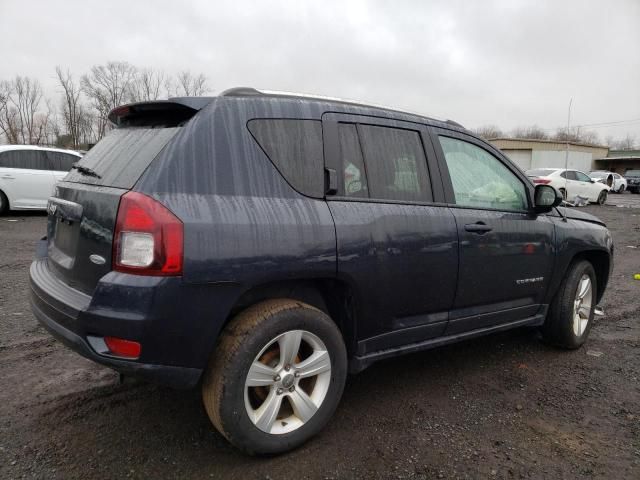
<point>28,174</point>
<point>633,180</point>
<point>615,181</point>
<point>262,245</point>
<point>570,183</point>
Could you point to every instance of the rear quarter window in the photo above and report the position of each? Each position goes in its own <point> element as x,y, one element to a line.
<point>295,148</point>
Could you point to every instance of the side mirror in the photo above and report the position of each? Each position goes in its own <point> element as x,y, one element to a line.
<point>545,198</point>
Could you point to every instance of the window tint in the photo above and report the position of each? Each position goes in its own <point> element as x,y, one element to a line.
<point>479,179</point>
<point>582,177</point>
<point>62,161</point>
<point>29,159</point>
<point>295,148</point>
<point>353,170</point>
<point>396,164</point>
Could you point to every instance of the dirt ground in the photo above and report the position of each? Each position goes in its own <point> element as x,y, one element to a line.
<point>504,406</point>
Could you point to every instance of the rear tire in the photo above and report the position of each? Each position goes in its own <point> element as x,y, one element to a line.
<point>563,192</point>
<point>571,312</point>
<point>252,373</point>
<point>602,198</point>
<point>621,189</point>
<point>4,203</point>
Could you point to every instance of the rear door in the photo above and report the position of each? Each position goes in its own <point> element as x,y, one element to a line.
<point>396,245</point>
<point>506,251</point>
<point>26,178</point>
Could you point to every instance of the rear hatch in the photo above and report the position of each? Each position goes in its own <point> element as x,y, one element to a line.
<point>83,211</point>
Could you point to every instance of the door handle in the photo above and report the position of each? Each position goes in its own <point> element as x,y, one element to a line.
<point>478,227</point>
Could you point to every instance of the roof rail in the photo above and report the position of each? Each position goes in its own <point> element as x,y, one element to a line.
<point>254,92</point>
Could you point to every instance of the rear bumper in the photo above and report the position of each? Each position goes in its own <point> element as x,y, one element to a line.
<point>70,315</point>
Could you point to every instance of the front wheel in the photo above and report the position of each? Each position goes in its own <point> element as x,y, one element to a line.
<point>621,189</point>
<point>276,376</point>
<point>602,198</point>
<point>571,312</point>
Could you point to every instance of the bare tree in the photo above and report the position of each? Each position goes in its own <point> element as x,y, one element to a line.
<point>488,132</point>
<point>532,132</point>
<point>8,113</point>
<point>576,135</point>
<point>108,86</point>
<point>147,85</point>
<point>626,143</point>
<point>72,110</point>
<point>187,84</point>
<point>21,120</point>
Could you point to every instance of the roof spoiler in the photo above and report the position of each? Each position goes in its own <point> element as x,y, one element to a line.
<point>167,113</point>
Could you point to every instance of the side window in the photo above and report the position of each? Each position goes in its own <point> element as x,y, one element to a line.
<point>582,177</point>
<point>62,161</point>
<point>396,164</point>
<point>295,148</point>
<point>479,179</point>
<point>26,159</point>
<point>571,175</point>
<point>352,164</point>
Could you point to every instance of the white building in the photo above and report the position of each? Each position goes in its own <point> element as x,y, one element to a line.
<point>529,154</point>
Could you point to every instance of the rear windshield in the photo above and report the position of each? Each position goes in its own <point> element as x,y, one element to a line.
<point>120,158</point>
<point>540,172</point>
<point>598,174</point>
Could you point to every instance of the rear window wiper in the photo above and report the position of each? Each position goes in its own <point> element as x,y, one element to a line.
<point>85,170</point>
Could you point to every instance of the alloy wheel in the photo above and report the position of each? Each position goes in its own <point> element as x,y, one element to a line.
<point>287,382</point>
<point>582,305</point>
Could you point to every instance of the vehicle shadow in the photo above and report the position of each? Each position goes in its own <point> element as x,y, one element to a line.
<point>140,427</point>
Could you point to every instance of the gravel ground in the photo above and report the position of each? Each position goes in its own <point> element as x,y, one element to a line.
<point>504,406</point>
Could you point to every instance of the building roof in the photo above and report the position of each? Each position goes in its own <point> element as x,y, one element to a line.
<point>556,142</point>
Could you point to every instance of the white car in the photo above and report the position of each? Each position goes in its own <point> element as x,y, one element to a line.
<point>571,183</point>
<point>616,181</point>
<point>28,175</point>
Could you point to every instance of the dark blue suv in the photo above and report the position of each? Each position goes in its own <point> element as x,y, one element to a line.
<point>262,245</point>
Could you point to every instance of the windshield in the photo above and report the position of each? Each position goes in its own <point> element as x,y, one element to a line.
<point>540,172</point>
<point>632,173</point>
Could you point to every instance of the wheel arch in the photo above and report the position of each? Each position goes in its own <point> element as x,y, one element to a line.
<point>335,297</point>
<point>601,261</point>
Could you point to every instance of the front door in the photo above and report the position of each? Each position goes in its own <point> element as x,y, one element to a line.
<point>506,251</point>
<point>395,245</point>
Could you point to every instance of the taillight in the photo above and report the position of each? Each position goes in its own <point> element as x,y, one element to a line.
<point>541,181</point>
<point>148,238</point>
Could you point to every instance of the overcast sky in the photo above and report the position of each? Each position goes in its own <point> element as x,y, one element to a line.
<point>509,63</point>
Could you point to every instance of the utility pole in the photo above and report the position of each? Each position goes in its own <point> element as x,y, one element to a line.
<point>566,153</point>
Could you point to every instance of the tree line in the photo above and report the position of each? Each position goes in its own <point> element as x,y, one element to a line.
<point>77,117</point>
<point>574,135</point>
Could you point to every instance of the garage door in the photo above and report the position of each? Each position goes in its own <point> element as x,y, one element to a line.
<point>522,158</point>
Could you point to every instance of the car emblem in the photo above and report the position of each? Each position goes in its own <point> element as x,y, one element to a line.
<point>97,259</point>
